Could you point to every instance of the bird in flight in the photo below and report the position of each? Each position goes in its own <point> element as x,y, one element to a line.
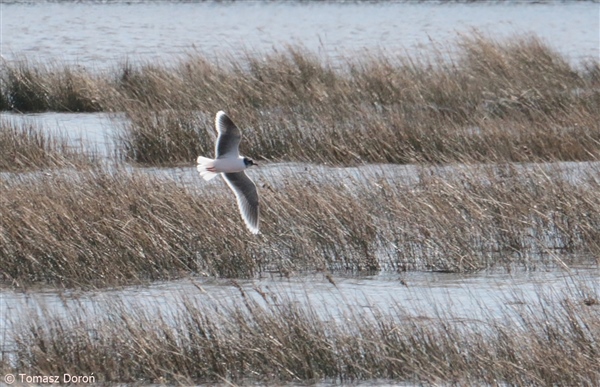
<point>231,165</point>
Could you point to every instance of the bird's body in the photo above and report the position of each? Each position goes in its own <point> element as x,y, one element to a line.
<point>229,162</point>
<point>212,167</point>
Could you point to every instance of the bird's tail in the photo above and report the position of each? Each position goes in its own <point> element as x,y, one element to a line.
<point>204,164</point>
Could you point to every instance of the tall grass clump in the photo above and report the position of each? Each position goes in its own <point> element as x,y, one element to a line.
<point>99,227</point>
<point>167,137</point>
<point>26,146</point>
<point>494,102</point>
<point>526,77</point>
<point>513,100</point>
<point>102,228</point>
<point>278,339</point>
<point>510,217</point>
<point>37,87</point>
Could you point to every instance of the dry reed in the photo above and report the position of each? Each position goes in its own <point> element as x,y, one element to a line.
<point>36,87</point>
<point>554,341</point>
<point>515,100</point>
<point>510,101</point>
<point>26,146</point>
<point>495,102</point>
<point>101,228</point>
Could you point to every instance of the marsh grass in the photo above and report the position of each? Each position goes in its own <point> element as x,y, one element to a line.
<point>98,227</point>
<point>272,339</point>
<point>495,101</point>
<point>27,146</point>
<point>37,87</point>
<point>170,137</point>
<point>102,228</point>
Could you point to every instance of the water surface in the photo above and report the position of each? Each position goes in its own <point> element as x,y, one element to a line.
<point>98,133</point>
<point>480,297</point>
<point>99,34</point>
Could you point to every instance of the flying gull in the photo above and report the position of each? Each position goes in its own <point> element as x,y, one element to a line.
<point>231,165</point>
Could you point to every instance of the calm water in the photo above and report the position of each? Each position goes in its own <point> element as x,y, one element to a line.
<point>99,35</point>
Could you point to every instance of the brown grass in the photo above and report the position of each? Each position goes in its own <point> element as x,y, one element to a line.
<point>495,102</point>
<point>511,101</point>
<point>101,228</point>
<point>498,101</point>
<point>36,87</point>
<point>26,146</point>
<point>277,339</point>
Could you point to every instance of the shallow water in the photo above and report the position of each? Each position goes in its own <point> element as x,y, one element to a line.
<point>474,297</point>
<point>92,132</point>
<point>97,133</point>
<point>99,34</point>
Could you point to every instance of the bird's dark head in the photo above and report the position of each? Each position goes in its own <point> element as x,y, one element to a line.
<point>248,162</point>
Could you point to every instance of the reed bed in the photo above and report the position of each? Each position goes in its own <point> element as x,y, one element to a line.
<point>27,146</point>
<point>508,101</point>
<point>36,87</point>
<point>515,100</point>
<point>554,341</point>
<point>493,102</point>
<point>110,227</point>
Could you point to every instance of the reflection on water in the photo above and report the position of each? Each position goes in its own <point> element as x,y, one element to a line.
<point>98,35</point>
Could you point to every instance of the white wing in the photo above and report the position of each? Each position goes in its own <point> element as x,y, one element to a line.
<point>247,198</point>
